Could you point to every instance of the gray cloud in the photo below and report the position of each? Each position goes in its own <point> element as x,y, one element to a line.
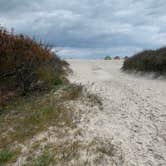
<point>89,28</point>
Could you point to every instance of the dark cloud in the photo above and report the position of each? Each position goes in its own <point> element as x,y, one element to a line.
<point>89,28</point>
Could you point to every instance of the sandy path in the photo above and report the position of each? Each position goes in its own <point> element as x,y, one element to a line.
<point>134,114</point>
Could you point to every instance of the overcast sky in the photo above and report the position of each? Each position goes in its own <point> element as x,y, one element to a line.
<point>89,28</point>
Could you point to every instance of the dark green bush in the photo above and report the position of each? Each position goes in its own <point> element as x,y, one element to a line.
<point>147,61</point>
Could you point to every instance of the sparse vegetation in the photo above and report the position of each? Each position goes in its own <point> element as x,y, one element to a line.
<point>27,66</point>
<point>5,156</point>
<point>8,155</point>
<point>76,152</point>
<point>29,116</point>
<point>61,153</point>
<point>45,159</point>
<point>147,61</point>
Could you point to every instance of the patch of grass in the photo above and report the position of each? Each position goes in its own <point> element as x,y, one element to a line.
<point>36,145</point>
<point>26,118</point>
<point>45,159</point>
<point>105,151</point>
<point>5,156</point>
<point>53,153</point>
<point>67,151</point>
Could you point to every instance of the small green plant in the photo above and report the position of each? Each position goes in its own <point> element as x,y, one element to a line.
<point>45,159</point>
<point>5,156</point>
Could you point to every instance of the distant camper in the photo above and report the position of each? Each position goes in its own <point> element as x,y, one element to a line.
<point>117,58</point>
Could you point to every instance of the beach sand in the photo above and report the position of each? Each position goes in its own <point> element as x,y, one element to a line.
<point>133,115</point>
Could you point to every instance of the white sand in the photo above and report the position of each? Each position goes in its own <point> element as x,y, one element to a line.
<point>134,114</point>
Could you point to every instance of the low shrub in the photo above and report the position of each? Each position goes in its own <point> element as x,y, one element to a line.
<point>147,61</point>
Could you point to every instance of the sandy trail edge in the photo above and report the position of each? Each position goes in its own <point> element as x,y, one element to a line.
<point>134,114</point>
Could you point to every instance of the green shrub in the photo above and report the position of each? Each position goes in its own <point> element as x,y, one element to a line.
<point>147,61</point>
<point>5,156</point>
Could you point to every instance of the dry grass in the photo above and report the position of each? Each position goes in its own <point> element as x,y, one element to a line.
<point>102,151</point>
<point>94,100</point>
<point>56,154</point>
<point>9,155</point>
<point>25,118</point>
<point>47,126</point>
<point>76,152</point>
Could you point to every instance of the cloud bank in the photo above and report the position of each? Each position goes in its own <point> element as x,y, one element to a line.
<point>89,29</point>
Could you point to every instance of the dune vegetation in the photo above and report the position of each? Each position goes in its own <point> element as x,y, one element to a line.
<point>38,105</point>
<point>147,61</point>
<point>35,94</point>
<point>27,65</point>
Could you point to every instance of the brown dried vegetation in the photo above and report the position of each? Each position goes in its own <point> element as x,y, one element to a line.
<point>27,65</point>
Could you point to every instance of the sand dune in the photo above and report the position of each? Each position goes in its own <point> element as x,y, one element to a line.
<point>134,111</point>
